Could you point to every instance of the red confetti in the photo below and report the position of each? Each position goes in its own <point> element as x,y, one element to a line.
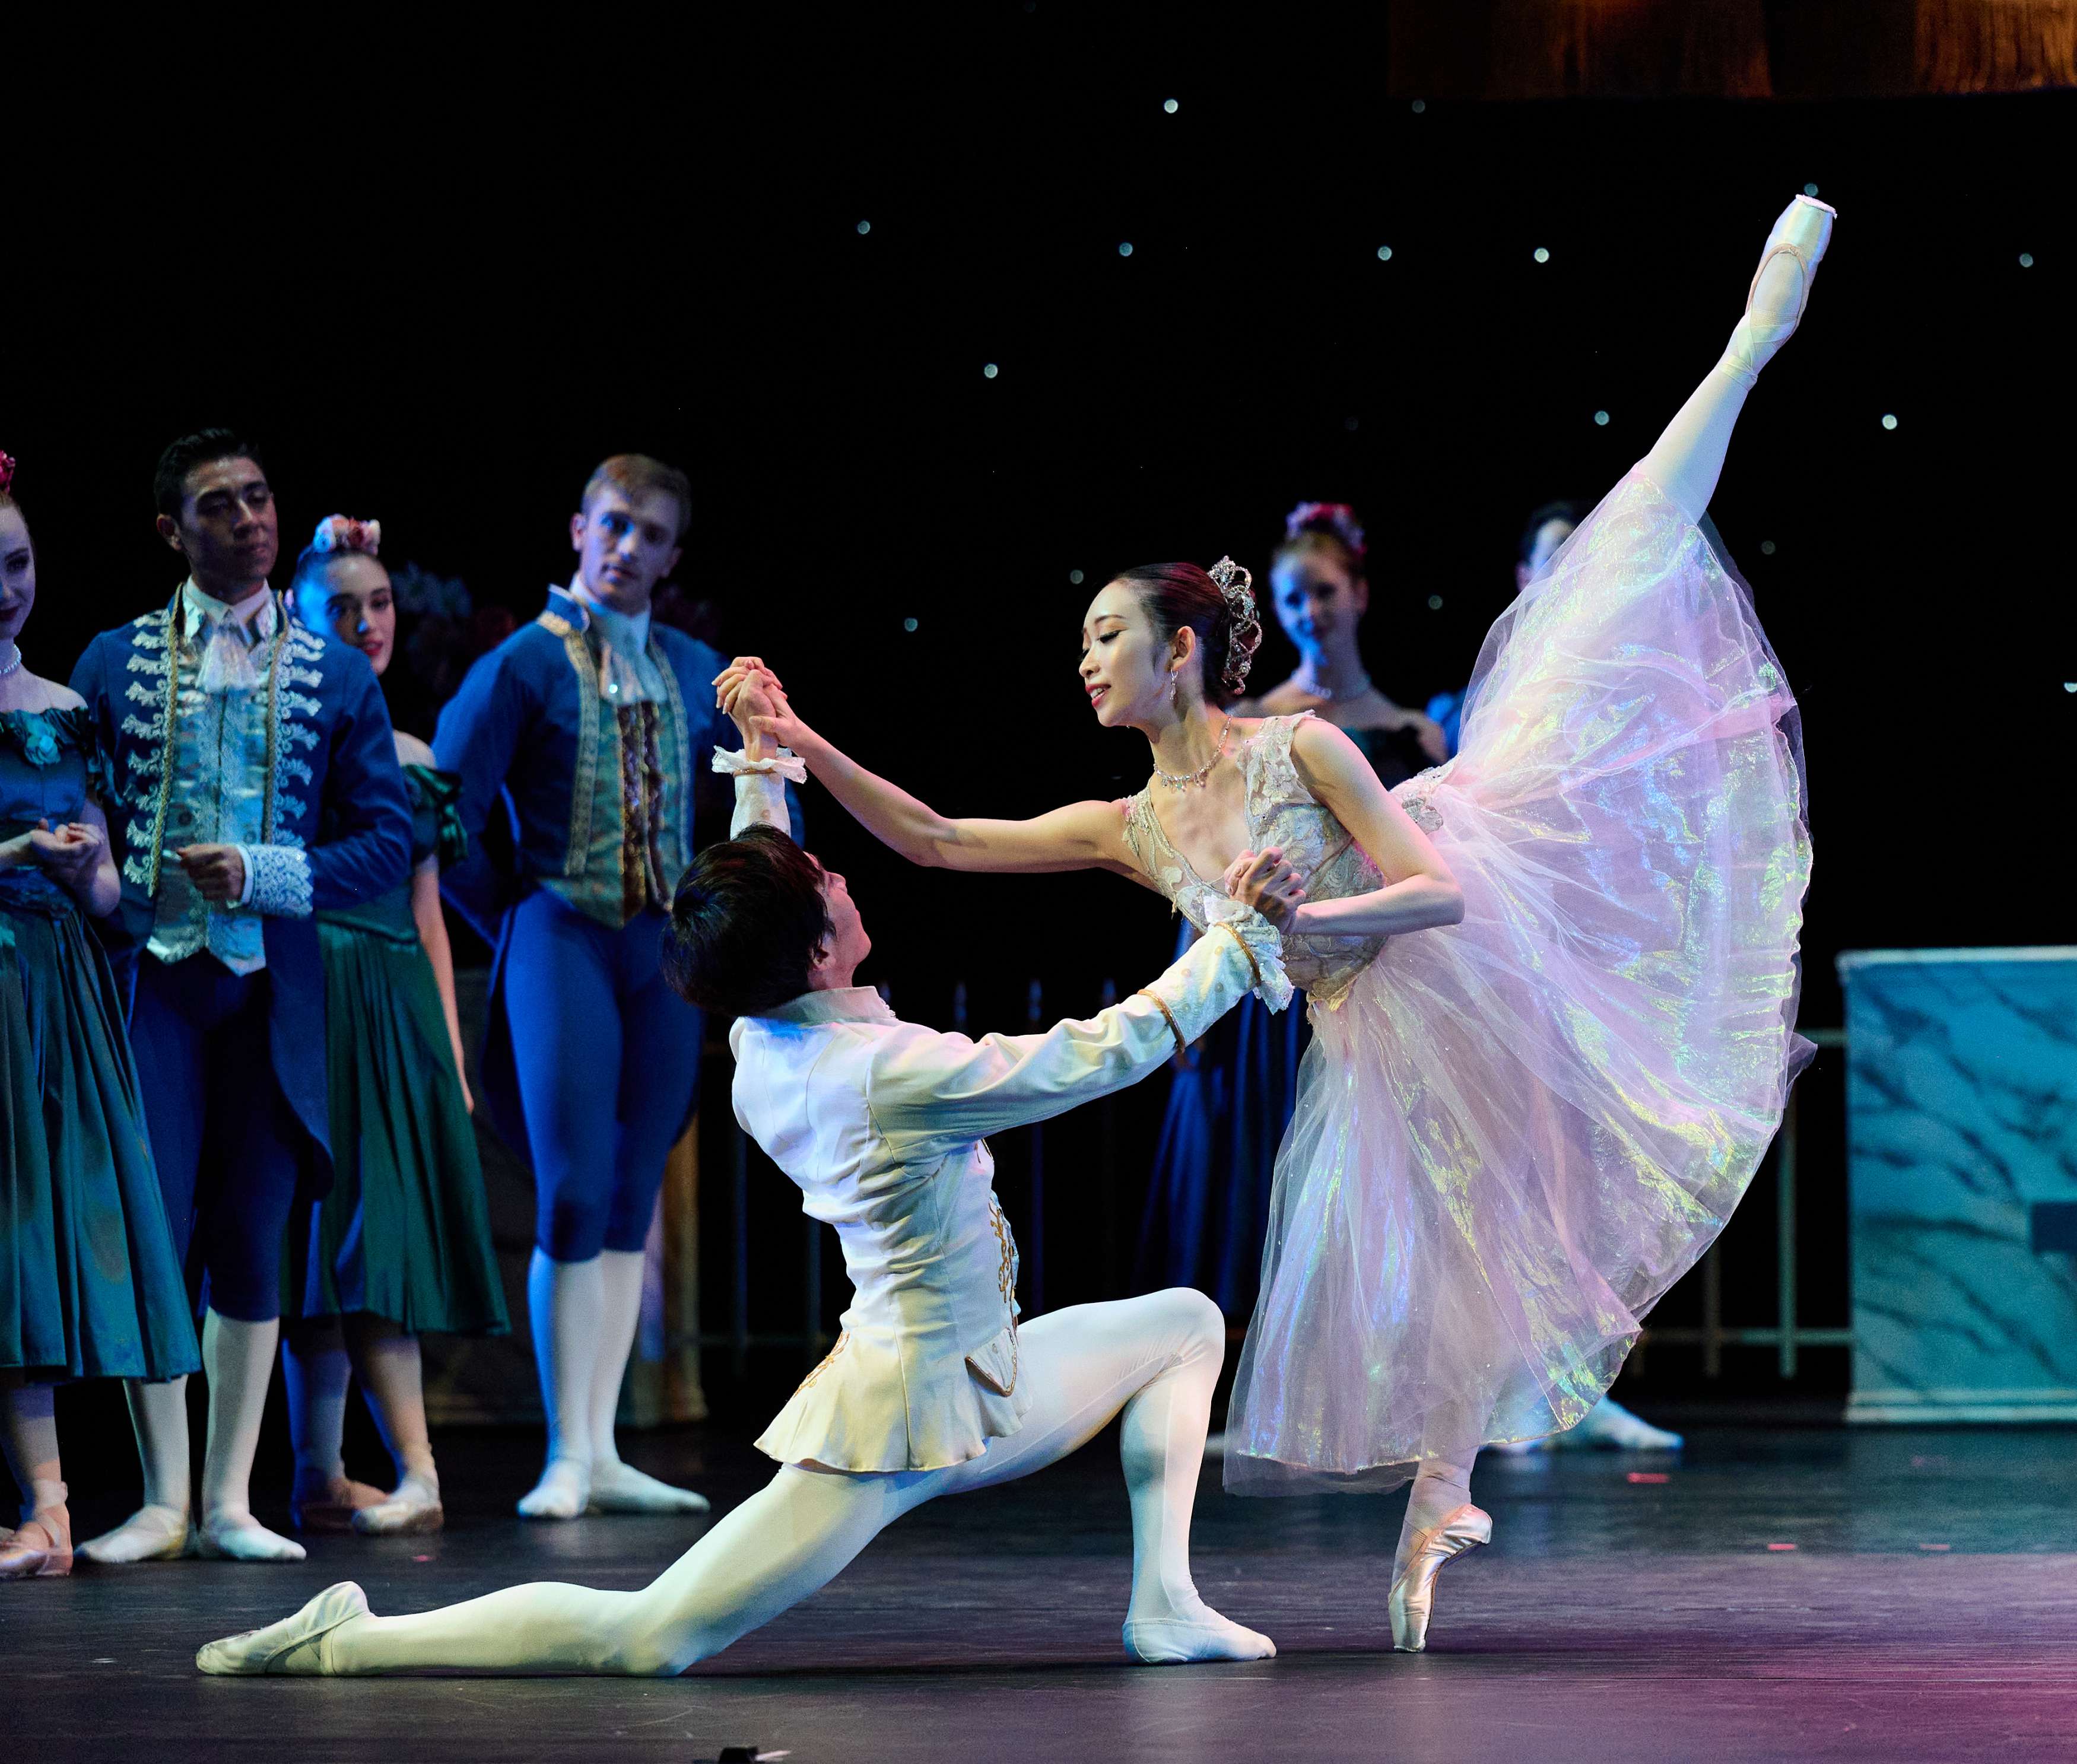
<point>422,1559</point>
<point>1649,1476</point>
<point>1781,1547</point>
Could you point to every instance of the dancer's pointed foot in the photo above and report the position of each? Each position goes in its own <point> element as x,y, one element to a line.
<point>231,1534</point>
<point>621,1488</point>
<point>41,1549</point>
<point>294,1646</point>
<point>329,1504</point>
<point>153,1534</point>
<point>1413,1598</point>
<point>562,1492</point>
<point>1609,1427</point>
<point>1190,1633</point>
<point>414,1508</point>
<point>1781,286</point>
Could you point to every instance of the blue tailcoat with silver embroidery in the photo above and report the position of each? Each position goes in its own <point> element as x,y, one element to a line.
<point>338,795</point>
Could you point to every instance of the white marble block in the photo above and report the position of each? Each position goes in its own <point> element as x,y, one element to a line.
<point>1962,1156</point>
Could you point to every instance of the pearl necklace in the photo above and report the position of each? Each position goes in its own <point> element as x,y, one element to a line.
<point>1189,779</point>
<point>13,662</point>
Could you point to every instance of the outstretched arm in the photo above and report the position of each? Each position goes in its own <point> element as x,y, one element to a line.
<point>1419,891</point>
<point>1081,836</point>
<point>933,1084</point>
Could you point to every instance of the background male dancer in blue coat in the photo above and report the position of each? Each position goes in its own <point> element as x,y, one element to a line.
<point>252,779</point>
<point>577,736</point>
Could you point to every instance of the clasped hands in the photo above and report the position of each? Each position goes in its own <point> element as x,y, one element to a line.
<point>749,693</point>
<point>68,853</point>
<point>218,872</point>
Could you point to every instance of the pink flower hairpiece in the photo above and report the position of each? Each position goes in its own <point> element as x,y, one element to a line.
<point>1335,517</point>
<point>339,533</point>
<point>7,464</point>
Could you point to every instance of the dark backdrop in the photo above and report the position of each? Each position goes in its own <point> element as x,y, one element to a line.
<point>440,276</point>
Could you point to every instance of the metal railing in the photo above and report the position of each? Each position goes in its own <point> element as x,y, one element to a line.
<point>1788,1335</point>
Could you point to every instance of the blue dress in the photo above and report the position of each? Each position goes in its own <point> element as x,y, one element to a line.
<point>90,1283</point>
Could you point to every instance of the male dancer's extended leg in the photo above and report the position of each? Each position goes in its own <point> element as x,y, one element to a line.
<point>1157,1357</point>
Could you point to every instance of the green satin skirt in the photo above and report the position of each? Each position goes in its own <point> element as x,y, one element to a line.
<point>405,1233</point>
<point>90,1286</point>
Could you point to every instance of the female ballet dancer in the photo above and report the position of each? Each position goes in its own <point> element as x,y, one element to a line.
<point>934,1388</point>
<point>1515,1132</point>
<point>401,1245</point>
<point>1232,1093</point>
<point>92,1287</point>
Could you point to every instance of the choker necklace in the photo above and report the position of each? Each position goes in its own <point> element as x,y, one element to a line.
<point>1329,694</point>
<point>13,662</point>
<point>1189,779</point>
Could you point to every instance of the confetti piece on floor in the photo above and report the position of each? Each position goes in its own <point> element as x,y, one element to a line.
<point>1781,1547</point>
<point>422,1559</point>
<point>1649,1476</point>
<point>1936,1547</point>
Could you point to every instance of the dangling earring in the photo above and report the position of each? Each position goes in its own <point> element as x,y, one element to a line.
<point>1174,685</point>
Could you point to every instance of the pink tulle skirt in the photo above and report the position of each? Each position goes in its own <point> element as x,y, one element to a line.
<point>1513,1135</point>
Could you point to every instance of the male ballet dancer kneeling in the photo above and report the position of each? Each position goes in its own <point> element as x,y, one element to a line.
<point>932,1388</point>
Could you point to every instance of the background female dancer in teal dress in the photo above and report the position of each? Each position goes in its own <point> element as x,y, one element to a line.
<point>89,1285</point>
<point>1516,1131</point>
<point>402,1245</point>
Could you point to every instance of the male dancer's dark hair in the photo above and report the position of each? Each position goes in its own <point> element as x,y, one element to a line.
<point>748,924</point>
<point>169,481</point>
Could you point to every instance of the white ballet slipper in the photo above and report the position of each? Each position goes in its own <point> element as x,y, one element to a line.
<point>294,1646</point>
<point>1610,1427</point>
<point>617,1488</point>
<point>236,1536</point>
<point>414,1508</point>
<point>1193,1636</point>
<point>150,1534</point>
<point>562,1492</point>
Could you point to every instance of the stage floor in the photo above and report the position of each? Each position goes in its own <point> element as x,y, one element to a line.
<point>1806,1593</point>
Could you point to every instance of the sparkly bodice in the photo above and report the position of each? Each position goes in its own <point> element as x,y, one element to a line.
<point>1280,812</point>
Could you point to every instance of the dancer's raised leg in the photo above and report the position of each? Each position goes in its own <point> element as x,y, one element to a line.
<point>1688,458</point>
<point>1157,1357</point>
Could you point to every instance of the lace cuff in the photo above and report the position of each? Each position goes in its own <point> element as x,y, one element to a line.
<point>1260,941</point>
<point>277,880</point>
<point>788,764</point>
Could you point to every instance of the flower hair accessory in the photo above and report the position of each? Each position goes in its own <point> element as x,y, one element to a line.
<point>338,533</point>
<point>1236,586</point>
<point>7,464</point>
<point>1338,518</point>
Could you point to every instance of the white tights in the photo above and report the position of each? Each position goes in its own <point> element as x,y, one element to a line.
<point>1155,1358</point>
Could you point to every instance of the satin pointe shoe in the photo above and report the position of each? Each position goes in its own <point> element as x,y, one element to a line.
<point>411,1511</point>
<point>1781,285</point>
<point>36,1552</point>
<point>332,1507</point>
<point>290,1646</point>
<point>1413,1600</point>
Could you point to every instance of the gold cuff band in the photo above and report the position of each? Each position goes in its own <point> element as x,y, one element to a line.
<point>1254,968</point>
<point>1182,1046</point>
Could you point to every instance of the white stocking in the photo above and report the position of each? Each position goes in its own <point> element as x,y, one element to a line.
<point>159,1529</point>
<point>567,1300</point>
<point>1686,461</point>
<point>616,1487</point>
<point>1156,1358</point>
<point>239,1360</point>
